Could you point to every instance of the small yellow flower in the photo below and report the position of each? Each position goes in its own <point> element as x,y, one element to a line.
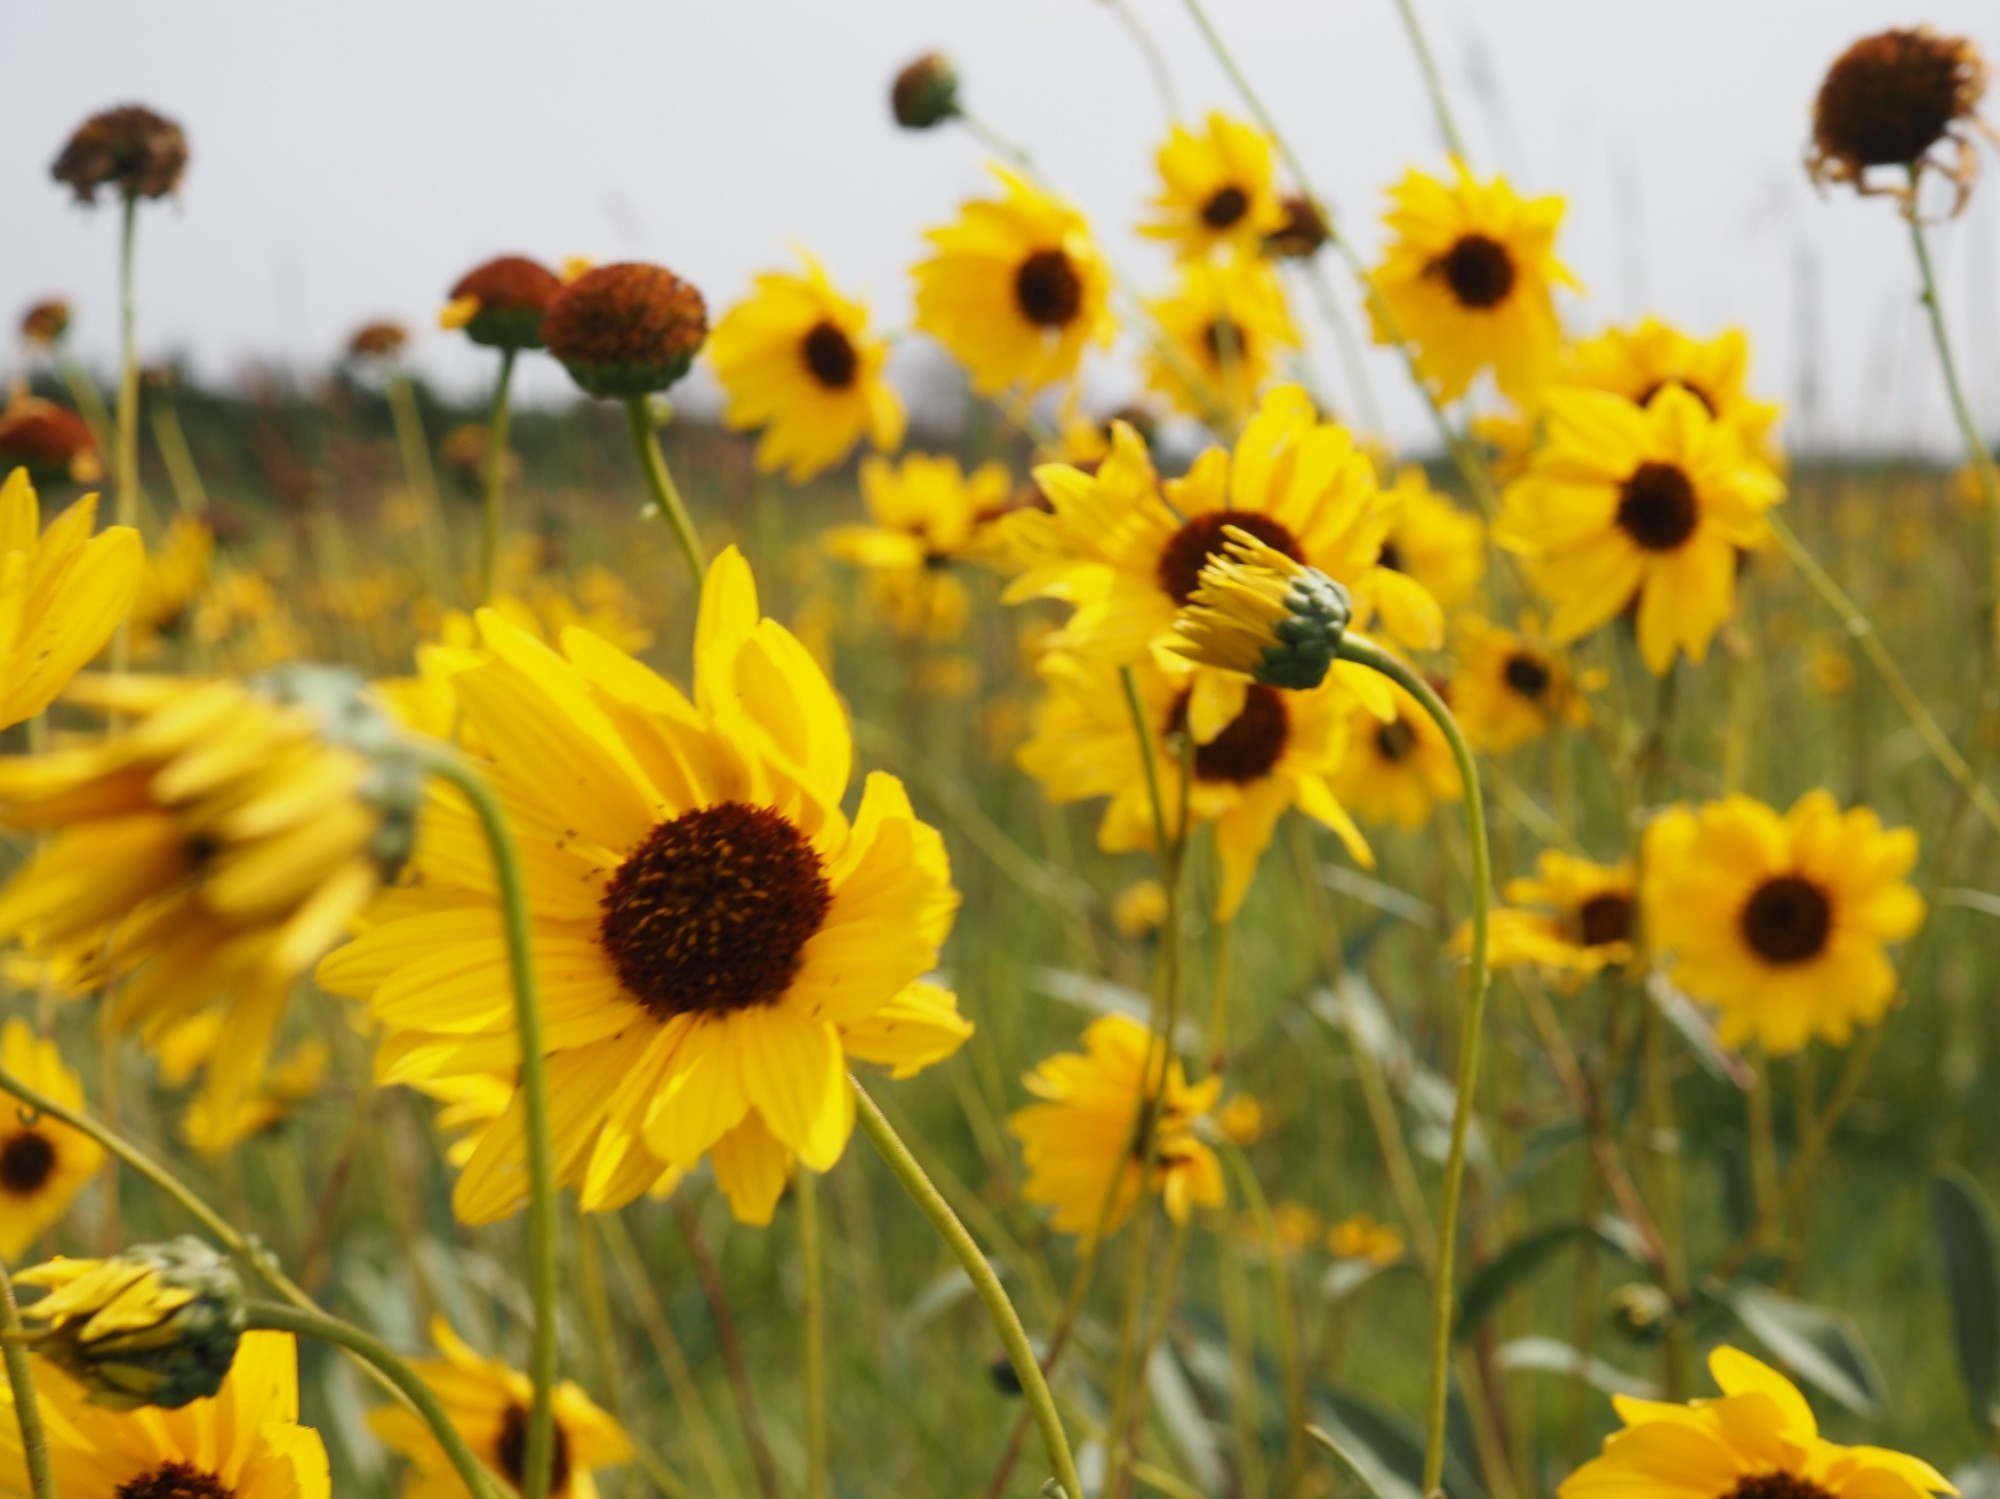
<point>1217,189</point>
<point>1829,668</point>
<point>43,1163</point>
<point>1396,768</point>
<point>1511,688</point>
<point>1242,1119</point>
<point>1361,1237</point>
<point>1573,917</point>
<point>924,515</point>
<point>1139,909</point>
<point>1295,1226</point>
<point>1227,328</point>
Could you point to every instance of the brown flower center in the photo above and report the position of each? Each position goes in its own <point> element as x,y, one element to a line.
<point>1226,207</point>
<point>1528,675</point>
<point>1656,506</point>
<point>1776,1486</point>
<point>830,356</point>
<point>174,1480</point>
<point>1227,342</point>
<point>1478,270</point>
<point>1390,558</point>
<point>1395,739</point>
<point>1788,920</point>
<point>1889,98</point>
<point>513,1450</point>
<point>26,1161</point>
<point>1188,550</point>
<point>1249,747</point>
<point>711,912</point>
<point>1048,289</point>
<point>1604,918</point>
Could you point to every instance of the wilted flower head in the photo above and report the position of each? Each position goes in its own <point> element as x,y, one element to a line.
<point>1257,612</point>
<point>628,329</point>
<point>378,340</point>
<point>51,442</point>
<point>1892,99</point>
<point>156,1325</point>
<point>45,323</point>
<point>131,148</point>
<point>1304,230</point>
<point>925,93</point>
<point>501,304</point>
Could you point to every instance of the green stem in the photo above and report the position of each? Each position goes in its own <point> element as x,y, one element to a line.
<point>190,494</point>
<point>1968,426</point>
<point>411,443</point>
<point>660,479</point>
<point>1006,1321</point>
<point>539,1460</point>
<point>1156,60</point>
<point>83,390</point>
<point>1433,84</point>
<point>27,1407</point>
<point>272,1317</point>
<point>806,1190</point>
<point>491,533</point>
<point>128,367</point>
<point>1471,1028</point>
<point>1290,1354</point>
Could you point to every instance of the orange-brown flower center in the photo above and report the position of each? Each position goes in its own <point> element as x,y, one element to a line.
<point>1189,549</point>
<point>1788,920</point>
<point>1252,744</point>
<point>1604,918</point>
<point>1478,270</point>
<point>1048,289</point>
<point>712,911</point>
<point>512,1450</point>
<point>26,1162</point>
<point>1656,506</point>
<point>1225,207</point>
<point>830,356</point>
<point>174,1480</point>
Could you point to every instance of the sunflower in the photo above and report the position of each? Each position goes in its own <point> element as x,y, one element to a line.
<point>1468,281</point>
<point>277,1094</point>
<point>174,575</point>
<point>1438,546</point>
<point>1225,328</point>
<point>245,1442</point>
<point>1641,361</point>
<point>1257,751</point>
<point>488,1404</point>
<point>924,513</point>
<point>716,940</point>
<point>1081,1141</point>
<point>1572,916</point>
<point>1627,505</point>
<point>1397,766</point>
<point>65,593</point>
<point>1217,189</point>
<point>43,1163</point>
<point>1757,1440</point>
<point>1128,553</point>
<point>1779,921</point>
<point>1511,687</point>
<point>212,850</point>
<point>796,359</point>
<point>1016,288</point>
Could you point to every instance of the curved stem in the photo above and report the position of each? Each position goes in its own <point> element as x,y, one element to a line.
<point>1006,1321</point>
<point>805,1188</point>
<point>496,478</point>
<point>1471,1028</point>
<point>1433,84</point>
<point>27,1407</point>
<point>539,1460</point>
<point>270,1316</point>
<point>660,479</point>
<point>1156,60</point>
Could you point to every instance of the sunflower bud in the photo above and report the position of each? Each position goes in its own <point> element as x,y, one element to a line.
<point>1642,1312</point>
<point>625,330</point>
<point>44,324</point>
<point>925,94</point>
<point>1257,612</point>
<point>378,340</point>
<point>157,1325</point>
<point>140,153</point>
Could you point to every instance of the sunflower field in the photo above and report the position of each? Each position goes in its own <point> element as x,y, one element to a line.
<point>573,950</point>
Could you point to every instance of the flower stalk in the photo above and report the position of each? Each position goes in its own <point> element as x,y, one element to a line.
<point>21,1382</point>
<point>492,521</point>
<point>660,479</point>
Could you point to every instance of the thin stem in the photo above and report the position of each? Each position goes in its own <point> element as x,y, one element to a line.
<point>270,1316</point>
<point>1156,60</point>
<point>660,479</point>
<point>538,1463</point>
<point>496,478</point>
<point>733,1363</point>
<point>1290,1354</point>
<point>89,402</point>
<point>190,494</point>
<point>126,459</point>
<point>1471,1028</point>
<point>805,1189</point>
<point>1433,84</point>
<point>1968,425</point>
<point>1006,1321</point>
<point>27,1407</point>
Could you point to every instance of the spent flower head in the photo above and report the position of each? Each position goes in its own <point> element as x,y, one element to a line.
<point>501,304</point>
<point>1259,613</point>
<point>44,324</point>
<point>1894,99</point>
<point>628,329</point>
<point>140,153</point>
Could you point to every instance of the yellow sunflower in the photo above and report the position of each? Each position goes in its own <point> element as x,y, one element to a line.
<point>1641,361</point>
<point>63,592</point>
<point>1757,1440</point>
<point>1431,541</point>
<point>244,1442</point>
<point>488,1404</point>
<point>1016,288</point>
<point>1257,752</point>
<point>716,941</point>
<point>1226,328</point>
<point>1779,920</point>
<point>1572,916</point>
<point>1080,1140</point>
<point>1626,505</point>
<point>1511,687</point>
<point>1127,553</point>
<point>43,1163</point>
<point>1217,189</point>
<point>924,514</point>
<point>796,359</point>
<point>1396,767</point>
<point>1468,280</point>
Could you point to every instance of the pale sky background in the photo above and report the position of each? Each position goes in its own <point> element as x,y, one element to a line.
<point>351,160</point>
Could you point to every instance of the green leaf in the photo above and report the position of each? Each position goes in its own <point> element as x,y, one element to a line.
<point>1488,1286</point>
<point>1553,1356</point>
<point>1346,1459</point>
<point>1823,1347</point>
<point>1971,1250</point>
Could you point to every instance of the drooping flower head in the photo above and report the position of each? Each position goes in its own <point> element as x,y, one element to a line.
<point>501,304</point>
<point>1226,327</point>
<point>1779,921</point>
<point>1900,99</point>
<point>627,329</point>
<point>796,358</point>
<point>51,442</point>
<point>139,153</point>
<point>1217,189</point>
<point>43,1162</point>
<point>924,515</point>
<point>1261,615</point>
<point>924,93</point>
<point>72,590</point>
<point>1468,280</point>
<point>1015,289</point>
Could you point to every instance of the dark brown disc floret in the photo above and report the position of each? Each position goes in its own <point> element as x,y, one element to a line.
<point>512,1451</point>
<point>174,1480</point>
<point>1395,740</point>
<point>378,340</point>
<point>1776,1486</point>
<point>1605,919</point>
<point>46,322</point>
<point>1787,920</point>
<point>628,329</point>
<point>1479,270</point>
<point>1250,746</point>
<point>1889,99</point>
<point>1657,506</point>
<point>1225,208</point>
<point>1304,230</point>
<point>27,1160</point>
<point>1189,549</point>
<point>829,355</point>
<point>1048,289</point>
<point>52,442</point>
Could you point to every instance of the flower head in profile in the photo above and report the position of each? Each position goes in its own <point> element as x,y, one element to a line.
<point>717,941</point>
<point>384,339</point>
<point>1226,327</point>
<point>43,1162</point>
<point>626,329</point>
<point>45,324</point>
<point>502,302</point>
<point>51,443</point>
<point>924,93</point>
<point>1626,506</point>
<point>1756,1440</point>
<point>73,590</point>
<point>131,149</point>
<point>1571,917</point>
<point>1642,361</point>
<point>1902,99</point>
<point>488,1403</point>
<point>1082,1141</point>
<point>796,358</point>
<point>1398,766</point>
<point>1258,613</point>
<point>1469,281</point>
<point>1780,920</point>
<point>1217,189</point>
<point>1015,290</point>
<point>1511,687</point>
<point>925,514</point>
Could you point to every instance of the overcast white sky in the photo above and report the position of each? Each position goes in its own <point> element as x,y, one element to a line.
<point>350,160</point>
